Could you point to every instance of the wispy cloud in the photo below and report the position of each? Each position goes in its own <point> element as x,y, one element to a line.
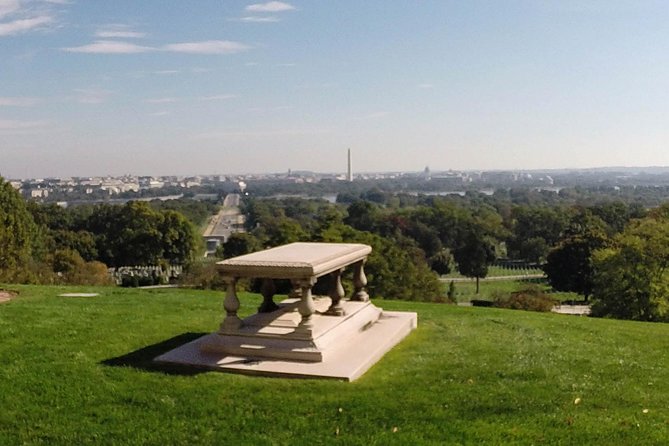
<point>23,25</point>
<point>167,72</point>
<point>218,97</point>
<point>160,100</point>
<point>425,86</point>
<point>119,34</point>
<point>258,19</point>
<point>109,47</point>
<point>208,47</point>
<point>259,133</point>
<point>92,95</point>
<point>121,47</point>
<point>273,6</point>
<point>118,31</point>
<point>374,115</point>
<point>8,7</point>
<point>159,113</point>
<point>22,16</point>
<point>18,102</point>
<point>12,124</point>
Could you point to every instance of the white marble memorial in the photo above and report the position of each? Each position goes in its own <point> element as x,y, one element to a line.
<point>326,336</point>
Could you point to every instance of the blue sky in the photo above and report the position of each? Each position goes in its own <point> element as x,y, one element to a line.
<point>96,87</point>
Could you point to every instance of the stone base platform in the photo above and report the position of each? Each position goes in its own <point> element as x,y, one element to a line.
<point>270,344</point>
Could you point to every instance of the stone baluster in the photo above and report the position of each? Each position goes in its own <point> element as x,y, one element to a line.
<point>336,294</point>
<point>232,322</point>
<point>359,282</point>
<point>306,306</point>
<point>296,291</point>
<point>267,290</point>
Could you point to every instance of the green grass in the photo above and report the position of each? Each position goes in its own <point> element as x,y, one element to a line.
<point>466,291</point>
<point>78,371</point>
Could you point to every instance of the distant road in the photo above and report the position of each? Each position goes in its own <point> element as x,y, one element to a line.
<point>232,200</point>
<point>228,220</point>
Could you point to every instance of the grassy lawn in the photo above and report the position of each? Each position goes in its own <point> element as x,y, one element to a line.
<point>78,371</point>
<point>466,291</point>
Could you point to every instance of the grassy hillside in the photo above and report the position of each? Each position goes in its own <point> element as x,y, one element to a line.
<point>78,371</point>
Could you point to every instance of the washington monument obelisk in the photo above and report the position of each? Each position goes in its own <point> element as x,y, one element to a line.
<point>349,175</point>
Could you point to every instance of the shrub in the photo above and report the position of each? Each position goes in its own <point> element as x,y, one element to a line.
<point>530,298</point>
<point>203,275</point>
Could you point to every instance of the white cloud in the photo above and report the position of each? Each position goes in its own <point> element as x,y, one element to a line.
<point>159,113</point>
<point>207,47</point>
<point>218,97</point>
<point>255,19</point>
<point>18,102</point>
<point>167,72</point>
<point>8,7</point>
<point>374,115</point>
<point>119,34</point>
<point>160,100</point>
<point>92,95</point>
<point>270,7</point>
<point>11,124</point>
<point>23,25</point>
<point>109,47</point>
<point>59,2</point>
<point>222,134</point>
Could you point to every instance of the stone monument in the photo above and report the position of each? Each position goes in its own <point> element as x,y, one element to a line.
<point>304,335</point>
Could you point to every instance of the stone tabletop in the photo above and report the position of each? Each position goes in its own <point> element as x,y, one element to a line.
<point>295,260</point>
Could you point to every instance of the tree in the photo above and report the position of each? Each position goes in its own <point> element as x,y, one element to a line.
<point>178,238</point>
<point>17,232</point>
<point>569,265</point>
<point>238,244</point>
<point>534,231</point>
<point>474,255</point>
<point>631,278</point>
<point>363,215</point>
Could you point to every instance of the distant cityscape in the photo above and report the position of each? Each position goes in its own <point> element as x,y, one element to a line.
<point>104,188</point>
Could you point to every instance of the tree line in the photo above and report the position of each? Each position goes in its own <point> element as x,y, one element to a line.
<point>581,247</point>
<point>610,250</point>
<point>48,244</point>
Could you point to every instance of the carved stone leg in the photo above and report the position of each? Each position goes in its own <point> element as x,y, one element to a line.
<point>306,307</point>
<point>231,323</point>
<point>359,282</point>
<point>267,290</point>
<point>336,294</point>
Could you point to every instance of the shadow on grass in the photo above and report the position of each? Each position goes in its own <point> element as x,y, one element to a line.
<point>143,358</point>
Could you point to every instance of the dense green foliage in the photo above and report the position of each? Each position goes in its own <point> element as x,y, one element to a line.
<point>50,244</point>
<point>631,276</point>
<point>18,233</point>
<point>79,371</point>
<point>569,265</point>
<point>127,235</point>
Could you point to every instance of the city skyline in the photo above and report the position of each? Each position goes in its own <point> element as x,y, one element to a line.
<point>170,88</point>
